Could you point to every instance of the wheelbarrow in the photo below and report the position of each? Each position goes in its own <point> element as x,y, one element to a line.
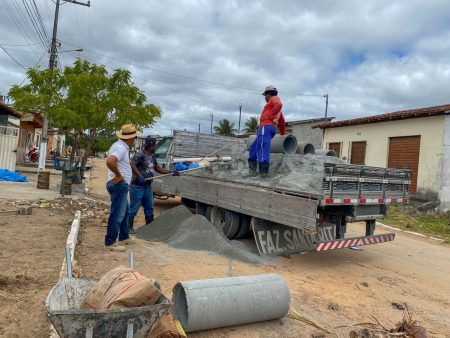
<point>63,307</point>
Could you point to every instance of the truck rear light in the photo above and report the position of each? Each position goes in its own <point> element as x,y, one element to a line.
<point>362,200</point>
<point>329,201</point>
<point>405,200</point>
<point>393,200</point>
<point>381,200</point>
<point>347,200</point>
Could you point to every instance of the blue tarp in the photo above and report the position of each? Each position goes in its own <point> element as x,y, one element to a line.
<point>12,176</point>
<point>181,166</point>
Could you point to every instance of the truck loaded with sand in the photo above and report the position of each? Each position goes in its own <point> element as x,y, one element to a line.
<point>303,205</point>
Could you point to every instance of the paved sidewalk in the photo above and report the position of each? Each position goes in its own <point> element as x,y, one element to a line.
<point>29,190</point>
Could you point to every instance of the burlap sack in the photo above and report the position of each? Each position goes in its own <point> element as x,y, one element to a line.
<point>119,288</point>
<point>166,328</point>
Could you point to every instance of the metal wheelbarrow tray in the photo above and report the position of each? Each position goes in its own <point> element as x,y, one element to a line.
<point>63,307</point>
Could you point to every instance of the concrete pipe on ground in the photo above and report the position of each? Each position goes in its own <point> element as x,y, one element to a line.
<point>326,153</point>
<point>305,148</point>
<point>286,144</point>
<point>214,303</point>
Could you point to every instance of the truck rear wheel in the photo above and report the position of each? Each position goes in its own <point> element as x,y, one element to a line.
<point>226,220</point>
<point>200,208</point>
<point>209,209</point>
<point>244,227</point>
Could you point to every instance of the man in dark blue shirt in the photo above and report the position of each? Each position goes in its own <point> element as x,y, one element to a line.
<point>143,164</point>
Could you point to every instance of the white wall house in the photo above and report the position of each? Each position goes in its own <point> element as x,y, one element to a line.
<point>416,139</point>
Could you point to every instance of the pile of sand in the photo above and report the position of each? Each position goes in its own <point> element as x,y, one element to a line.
<point>303,173</point>
<point>179,228</point>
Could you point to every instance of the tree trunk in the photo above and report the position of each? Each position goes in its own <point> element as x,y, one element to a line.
<point>75,146</point>
<point>88,149</point>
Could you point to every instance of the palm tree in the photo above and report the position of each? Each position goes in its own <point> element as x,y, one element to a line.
<point>252,125</point>
<point>225,128</point>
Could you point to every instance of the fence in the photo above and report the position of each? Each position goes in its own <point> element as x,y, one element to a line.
<point>8,147</point>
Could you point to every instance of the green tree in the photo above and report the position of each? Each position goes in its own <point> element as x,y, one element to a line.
<point>251,125</point>
<point>85,100</point>
<point>225,128</point>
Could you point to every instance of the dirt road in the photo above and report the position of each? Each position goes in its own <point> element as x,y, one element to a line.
<point>336,288</point>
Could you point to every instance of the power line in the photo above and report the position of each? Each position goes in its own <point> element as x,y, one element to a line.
<point>12,57</point>
<point>40,20</point>
<point>23,45</point>
<point>17,22</point>
<point>34,17</point>
<point>19,51</point>
<point>192,78</point>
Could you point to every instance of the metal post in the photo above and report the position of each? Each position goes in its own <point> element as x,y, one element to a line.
<point>51,66</point>
<point>326,105</point>
<point>68,263</point>
<point>131,263</point>
<point>240,112</point>
<point>212,117</point>
<point>130,328</point>
<point>199,127</point>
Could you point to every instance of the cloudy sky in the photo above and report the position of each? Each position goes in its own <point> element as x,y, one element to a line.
<point>197,58</point>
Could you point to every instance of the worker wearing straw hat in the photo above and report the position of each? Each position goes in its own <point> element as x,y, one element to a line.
<point>118,185</point>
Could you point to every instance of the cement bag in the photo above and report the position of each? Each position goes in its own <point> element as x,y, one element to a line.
<point>167,327</point>
<point>119,288</point>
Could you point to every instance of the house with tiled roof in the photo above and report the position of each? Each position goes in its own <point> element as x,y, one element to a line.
<point>416,139</point>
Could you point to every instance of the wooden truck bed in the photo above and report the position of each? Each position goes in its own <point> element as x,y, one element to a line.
<point>276,206</point>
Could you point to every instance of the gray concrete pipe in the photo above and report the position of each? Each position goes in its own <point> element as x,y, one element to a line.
<point>305,148</point>
<point>213,303</point>
<point>286,144</point>
<point>326,153</point>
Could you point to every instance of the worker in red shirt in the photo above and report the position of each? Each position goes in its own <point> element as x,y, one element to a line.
<point>271,118</point>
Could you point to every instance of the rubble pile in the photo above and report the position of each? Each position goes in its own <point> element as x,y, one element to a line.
<point>89,208</point>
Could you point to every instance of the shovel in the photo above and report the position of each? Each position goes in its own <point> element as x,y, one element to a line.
<point>203,165</point>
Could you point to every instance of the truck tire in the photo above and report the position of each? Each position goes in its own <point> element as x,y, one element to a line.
<point>244,227</point>
<point>227,221</point>
<point>200,208</point>
<point>209,209</point>
<point>188,203</point>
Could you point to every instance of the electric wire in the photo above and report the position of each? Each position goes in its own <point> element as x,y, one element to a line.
<point>44,29</point>
<point>18,24</point>
<point>12,57</point>
<point>35,21</point>
<point>192,78</point>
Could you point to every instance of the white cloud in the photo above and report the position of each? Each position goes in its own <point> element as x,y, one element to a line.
<point>369,56</point>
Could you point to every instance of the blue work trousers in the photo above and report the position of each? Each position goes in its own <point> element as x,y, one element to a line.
<point>260,148</point>
<point>118,216</point>
<point>141,194</point>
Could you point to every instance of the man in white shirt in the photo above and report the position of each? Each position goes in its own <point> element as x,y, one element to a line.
<point>118,185</point>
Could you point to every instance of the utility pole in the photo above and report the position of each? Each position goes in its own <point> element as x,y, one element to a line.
<point>199,128</point>
<point>326,105</point>
<point>212,117</point>
<point>51,66</point>
<point>240,112</point>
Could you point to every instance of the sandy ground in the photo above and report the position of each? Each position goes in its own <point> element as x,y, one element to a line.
<point>341,287</point>
<point>337,288</point>
<point>31,255</point>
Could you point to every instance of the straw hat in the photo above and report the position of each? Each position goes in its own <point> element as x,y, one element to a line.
<point>127,131</point>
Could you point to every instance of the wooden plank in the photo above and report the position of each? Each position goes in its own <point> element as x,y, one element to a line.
<point>285,209</point>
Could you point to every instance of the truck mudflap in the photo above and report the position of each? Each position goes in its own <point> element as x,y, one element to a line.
<point>275,239</point>
<point>355,241</point>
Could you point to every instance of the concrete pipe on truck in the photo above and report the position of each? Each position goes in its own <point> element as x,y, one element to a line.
<point>286,144</point>
<point>326,153</point>
<point>305,148</point>
<point>214,303</point>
